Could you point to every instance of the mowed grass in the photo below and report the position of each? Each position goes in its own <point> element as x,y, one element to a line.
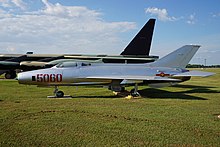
<point>183,115</point>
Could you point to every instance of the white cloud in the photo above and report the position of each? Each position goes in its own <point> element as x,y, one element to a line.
<point>11,49</point>
<point>11,3</point>
<point>19,3</point>
<point>61,29</point>
<point>215,15</point>
<point>4,14</point>
<point>161,14</point>
<point>191,19</point>
<point>5,3</point>
<point>67,11</point>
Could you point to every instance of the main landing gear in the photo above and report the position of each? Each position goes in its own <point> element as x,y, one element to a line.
<point>134,92</point>
<point>129,95</point>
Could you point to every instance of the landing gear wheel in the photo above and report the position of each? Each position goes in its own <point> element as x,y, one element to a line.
<point>10,75</point>
<point>134,94</point>
<point>59,94</point>
<point>122,89</point>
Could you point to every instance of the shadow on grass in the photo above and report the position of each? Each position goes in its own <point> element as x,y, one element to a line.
<point>96,96</point>
<point>197,89</point>
<point>163,94</point>
<point>191,86</point>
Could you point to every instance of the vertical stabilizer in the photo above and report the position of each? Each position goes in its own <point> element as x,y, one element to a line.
<point>179,58</point>
<point>141,43</point>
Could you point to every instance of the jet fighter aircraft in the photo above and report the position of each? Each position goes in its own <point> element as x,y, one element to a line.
<point>166,71</point>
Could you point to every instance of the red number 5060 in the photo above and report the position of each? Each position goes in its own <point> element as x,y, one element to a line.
<point>49,77</point>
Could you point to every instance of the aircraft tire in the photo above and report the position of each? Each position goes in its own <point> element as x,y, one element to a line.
<point>133,93</point>
<point>59,94</point>
<point>10,75</point>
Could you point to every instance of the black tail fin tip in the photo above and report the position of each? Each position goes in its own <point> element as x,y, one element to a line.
<point>141,43</point>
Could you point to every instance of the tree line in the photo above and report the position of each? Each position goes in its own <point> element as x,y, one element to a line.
<point>202,66</point>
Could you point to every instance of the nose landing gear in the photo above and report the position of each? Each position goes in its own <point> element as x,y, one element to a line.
<point>59,94</point>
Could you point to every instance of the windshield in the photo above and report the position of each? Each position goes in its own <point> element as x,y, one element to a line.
<point>66,64</point>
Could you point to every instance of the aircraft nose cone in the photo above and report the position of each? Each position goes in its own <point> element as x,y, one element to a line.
<point>20,78</point>
<point>23,78</point>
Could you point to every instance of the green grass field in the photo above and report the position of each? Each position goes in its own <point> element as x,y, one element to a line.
<point>183,115</point>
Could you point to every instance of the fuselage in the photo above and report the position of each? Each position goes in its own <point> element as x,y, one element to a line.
<point>78,73</point>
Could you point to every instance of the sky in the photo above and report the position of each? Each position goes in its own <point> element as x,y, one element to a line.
<point>106,27</point>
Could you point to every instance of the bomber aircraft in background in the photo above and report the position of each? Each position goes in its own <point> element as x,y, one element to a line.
<point>166,71</point>
<point>137,51</point>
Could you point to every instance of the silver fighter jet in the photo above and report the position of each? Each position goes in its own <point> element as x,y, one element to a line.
<point>166,71</point>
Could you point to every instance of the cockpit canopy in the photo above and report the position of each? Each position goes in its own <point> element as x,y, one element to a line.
<point>72,64</point>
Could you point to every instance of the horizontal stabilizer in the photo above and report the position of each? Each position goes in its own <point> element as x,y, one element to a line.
<point>51,59</point>
<point>194,73</point>
<point>17,59</point>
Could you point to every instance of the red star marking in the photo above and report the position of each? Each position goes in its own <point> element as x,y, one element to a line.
<point>162,74</point>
